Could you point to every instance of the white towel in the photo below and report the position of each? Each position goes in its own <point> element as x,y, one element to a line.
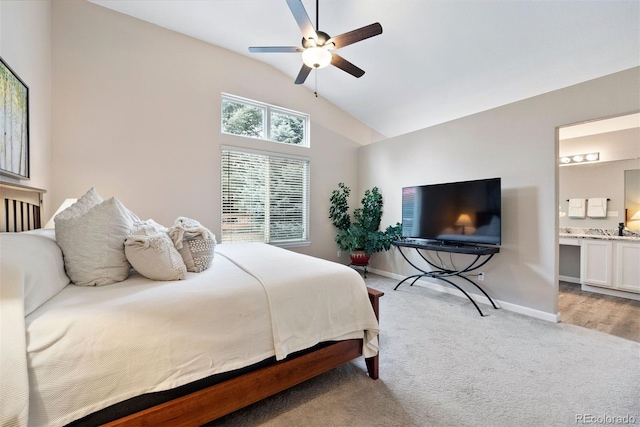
<point>576,208</point>
<point>597,207</point>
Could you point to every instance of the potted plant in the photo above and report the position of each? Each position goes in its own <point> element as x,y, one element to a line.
<point>361,236</point>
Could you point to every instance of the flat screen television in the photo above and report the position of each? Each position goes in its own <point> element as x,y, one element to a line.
<point>467,212</point>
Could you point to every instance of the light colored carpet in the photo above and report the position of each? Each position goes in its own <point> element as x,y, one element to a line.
<point>443,365</point>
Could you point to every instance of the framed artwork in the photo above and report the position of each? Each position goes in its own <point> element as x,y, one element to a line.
<point>14,124</point>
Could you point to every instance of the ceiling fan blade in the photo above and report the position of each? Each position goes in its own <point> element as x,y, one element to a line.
<point>302,75</point>
<point>301,17</point>
<point>343,64</point>
<point>269,49</point>
<point>355,36</point>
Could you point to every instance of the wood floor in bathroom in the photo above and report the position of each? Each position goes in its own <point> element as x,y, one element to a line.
<point>613,315</point>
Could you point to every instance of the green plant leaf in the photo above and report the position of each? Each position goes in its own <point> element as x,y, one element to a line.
<point>363,232</point>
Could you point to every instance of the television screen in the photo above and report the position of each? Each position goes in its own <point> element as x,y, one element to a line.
<point>461,212</point>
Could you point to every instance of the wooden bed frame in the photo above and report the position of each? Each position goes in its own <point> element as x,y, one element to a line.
<point>21,209</point>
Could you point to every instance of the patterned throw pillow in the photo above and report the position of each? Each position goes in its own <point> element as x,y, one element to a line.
<point>151,252</point>
<point>195,243</point>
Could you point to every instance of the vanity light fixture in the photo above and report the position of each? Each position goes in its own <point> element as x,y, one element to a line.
<point>579,158</point>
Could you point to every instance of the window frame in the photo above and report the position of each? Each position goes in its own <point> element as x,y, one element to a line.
<point>306,209</point>
<point>266,122</point>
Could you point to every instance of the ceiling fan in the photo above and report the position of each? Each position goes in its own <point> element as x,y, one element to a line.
<point>317,46</point>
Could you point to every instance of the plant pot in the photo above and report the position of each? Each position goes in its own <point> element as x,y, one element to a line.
<point>359,257</point>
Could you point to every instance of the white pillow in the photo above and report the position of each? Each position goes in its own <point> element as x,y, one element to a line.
<point>150,251</point>
<point>40,260</point>
<point>93,243</point>
<point>195,243</point>
<point>88,200</point>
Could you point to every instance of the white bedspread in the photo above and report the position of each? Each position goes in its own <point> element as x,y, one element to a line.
<point>311,300</point>
<point>88,348</point>
<point>14,390</point>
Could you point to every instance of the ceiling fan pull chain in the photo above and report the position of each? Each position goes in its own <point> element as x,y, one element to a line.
<point>316,90</point>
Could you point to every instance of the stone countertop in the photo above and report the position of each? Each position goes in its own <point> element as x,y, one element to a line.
<point>600,236</point>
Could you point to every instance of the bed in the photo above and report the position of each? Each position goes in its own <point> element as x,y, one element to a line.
<point>187,352</point>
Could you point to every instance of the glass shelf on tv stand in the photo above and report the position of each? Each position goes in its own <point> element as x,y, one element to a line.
<point>482,255</point>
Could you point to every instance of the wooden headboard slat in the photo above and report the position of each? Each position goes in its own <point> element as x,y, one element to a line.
<point>4,218</point>
<point>20,207</point>
<point>29,224</point>
<point>13,225</point>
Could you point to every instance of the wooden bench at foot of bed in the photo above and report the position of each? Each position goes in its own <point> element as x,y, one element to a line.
<point>224,398</point>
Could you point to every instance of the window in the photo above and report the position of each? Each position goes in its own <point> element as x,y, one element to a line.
<point>265,197</point>
<point>263,121</point>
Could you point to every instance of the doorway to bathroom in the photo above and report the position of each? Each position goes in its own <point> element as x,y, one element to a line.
<point>597,162</point>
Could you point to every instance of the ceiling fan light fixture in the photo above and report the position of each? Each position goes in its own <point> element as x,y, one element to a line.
<point>316,57</point>
<point>317,45</point>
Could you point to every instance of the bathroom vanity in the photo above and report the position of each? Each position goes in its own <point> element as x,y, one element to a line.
<point>609,264</point>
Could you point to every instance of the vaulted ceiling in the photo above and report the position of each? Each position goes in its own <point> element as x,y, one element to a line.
<point>435,60</point>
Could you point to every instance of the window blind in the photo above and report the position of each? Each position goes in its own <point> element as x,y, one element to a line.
<point>265,198</point>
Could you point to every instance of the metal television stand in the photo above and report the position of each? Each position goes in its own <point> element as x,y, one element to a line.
<point>482,255</point>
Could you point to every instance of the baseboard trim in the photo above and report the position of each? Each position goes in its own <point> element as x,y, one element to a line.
<point>543,315</point>
<point>569,279</point>
<point>610,292</point>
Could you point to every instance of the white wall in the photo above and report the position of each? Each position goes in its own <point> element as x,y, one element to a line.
<point>25,44</point>
<point>518,143</point>
<point>136,113</point>
<point>618,145</point>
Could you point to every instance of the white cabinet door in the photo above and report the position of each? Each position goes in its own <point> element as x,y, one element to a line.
<point>596,263</point>
<point>628,266</point>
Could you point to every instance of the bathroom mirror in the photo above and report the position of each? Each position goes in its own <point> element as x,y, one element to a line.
<point>615,144</point>
<point>632,198</point>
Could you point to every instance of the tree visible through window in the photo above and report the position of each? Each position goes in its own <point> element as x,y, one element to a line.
<point>257,120</point>
<point>287,128</point>
<point>242,119</point>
